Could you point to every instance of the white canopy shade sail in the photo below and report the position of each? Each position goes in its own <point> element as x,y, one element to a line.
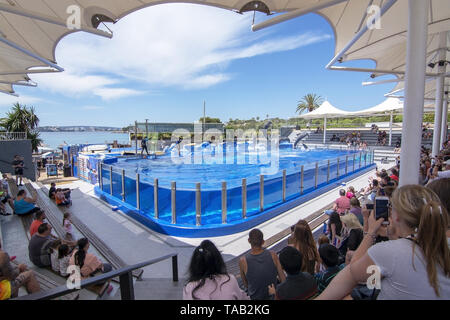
<point>326,110</point>
<point>31,29</point>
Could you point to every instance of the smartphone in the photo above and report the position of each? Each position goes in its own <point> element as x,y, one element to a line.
<point>382,208</point>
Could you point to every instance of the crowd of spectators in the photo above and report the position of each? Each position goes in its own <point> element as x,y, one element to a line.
<point>407,250</point>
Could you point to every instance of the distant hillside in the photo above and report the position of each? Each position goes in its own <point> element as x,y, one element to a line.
<point>77,129</point>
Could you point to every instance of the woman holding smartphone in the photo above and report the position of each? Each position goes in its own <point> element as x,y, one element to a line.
<point>417,265</point>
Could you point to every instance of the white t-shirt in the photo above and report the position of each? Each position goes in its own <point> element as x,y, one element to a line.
<point>400,280</point>
<point>443,174</point>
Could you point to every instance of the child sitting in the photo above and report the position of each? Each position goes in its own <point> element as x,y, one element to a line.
<point>63,259</point>
<point>54,255</point>
<point>330,260</point>
<point>298,285</point>
<point>61,199</point>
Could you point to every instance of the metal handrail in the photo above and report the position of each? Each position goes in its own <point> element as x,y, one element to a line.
<point>125,279</point>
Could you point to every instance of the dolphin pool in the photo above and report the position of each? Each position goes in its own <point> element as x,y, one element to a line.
<point>216,191</point>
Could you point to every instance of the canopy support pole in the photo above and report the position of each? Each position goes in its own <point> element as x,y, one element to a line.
<point>414,90</point>
<point>29,53</point>
<point>444,125</point>
<point>439,98</point>
<point>9,93</point>
<point>360,33</point>
<point>324,130</point>
<point>26,84</point>
<point>8,73</point>
<point>391,119</point>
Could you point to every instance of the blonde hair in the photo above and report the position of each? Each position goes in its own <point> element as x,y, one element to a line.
<point>421,210</point>
<point>351,221</point>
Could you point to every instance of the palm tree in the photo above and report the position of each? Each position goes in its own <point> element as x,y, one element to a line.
<point>309,103</point>
<point>23,119</point>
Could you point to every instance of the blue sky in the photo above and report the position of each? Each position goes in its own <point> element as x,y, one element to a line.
<point>164,61</point>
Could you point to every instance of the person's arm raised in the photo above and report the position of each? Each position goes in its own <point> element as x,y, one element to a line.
<point>373,227</point>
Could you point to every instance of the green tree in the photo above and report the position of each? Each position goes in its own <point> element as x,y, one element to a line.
<point>23,119</point>
<point>309,103</point>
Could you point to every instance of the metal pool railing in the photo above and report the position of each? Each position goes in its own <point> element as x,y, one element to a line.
<point>196,208</point>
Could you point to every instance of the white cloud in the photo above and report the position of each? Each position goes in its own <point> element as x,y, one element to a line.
<point>181,45</point>
<point>8,100</point>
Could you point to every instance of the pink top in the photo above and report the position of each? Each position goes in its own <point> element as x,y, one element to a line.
<point>221,288</point>
<point>350,195</point>
<point>91,264</point>
<point>343,203</point>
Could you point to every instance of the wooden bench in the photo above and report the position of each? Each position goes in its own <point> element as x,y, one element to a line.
<point>52,210</point>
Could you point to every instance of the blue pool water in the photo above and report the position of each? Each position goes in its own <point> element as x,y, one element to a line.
<point>211,168</point>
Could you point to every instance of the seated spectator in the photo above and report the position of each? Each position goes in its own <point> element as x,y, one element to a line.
<point>208,278</point>
<point>64,255</point>
<point>4,182</point>
<point>354,233</point>
<point>52,191</point>
<point>442,188</point>
<point>417,265</point>
<point>259,268</point>
<point>23,205</point>
<point>39,246</point>
<point>89,264</point>
<point>4,199</point>
<point>355,208</point>
<point>341,204</point>
<point>298,285</point>
<point>13,277</point>
<point>38,220</point>
<point>54,255</point>
<point>394,174</point>
<point>60,198</point>
<point>322,240</point>
<point>330,259</point>
<point>303,241</point>
<point>350,192</point>
<point>445,173</point>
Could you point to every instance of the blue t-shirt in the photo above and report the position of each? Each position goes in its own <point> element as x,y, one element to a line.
<point>21,206</point>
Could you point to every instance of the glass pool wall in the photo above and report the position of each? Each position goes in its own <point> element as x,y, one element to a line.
<point>222,203</point>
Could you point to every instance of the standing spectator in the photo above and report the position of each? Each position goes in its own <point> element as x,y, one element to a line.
<point>330,259</point>
<point>259,268</point>
<point>417,265</point>
<point>394,174</point>
<point>298,285</point>
<point>335,229</point>
<point>38,220</point>
<point>12,278</point>
<point>67,225</point>
<point>18,166</point>
<point>303,241</point>
<point>342,204</point>
<point>355,208</point>
<point>208,278</point>
<point>24,205</point>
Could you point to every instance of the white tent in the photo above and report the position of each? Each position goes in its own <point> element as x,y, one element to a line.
<point>326,110</point>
